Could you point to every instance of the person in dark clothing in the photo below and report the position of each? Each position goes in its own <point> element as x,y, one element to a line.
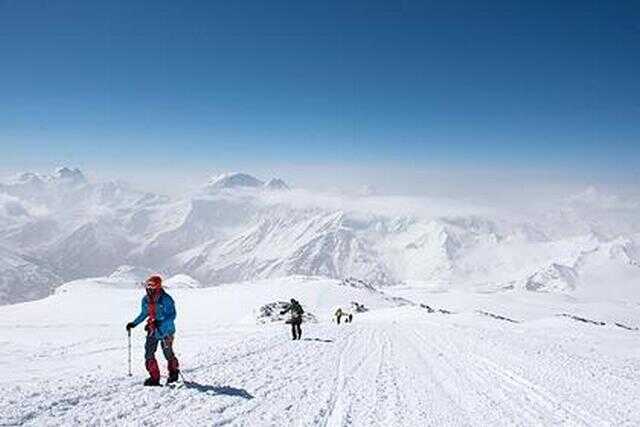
<point>159,310</point>
<point>296,318</point>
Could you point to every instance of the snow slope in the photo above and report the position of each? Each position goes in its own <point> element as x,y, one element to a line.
<point>64,360</point>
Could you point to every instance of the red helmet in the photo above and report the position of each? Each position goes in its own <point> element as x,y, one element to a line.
<point>154,282</point>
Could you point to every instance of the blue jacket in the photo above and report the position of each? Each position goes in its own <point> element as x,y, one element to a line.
<point>165,315</point>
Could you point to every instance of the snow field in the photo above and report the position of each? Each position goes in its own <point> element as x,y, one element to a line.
<point>63,362</point>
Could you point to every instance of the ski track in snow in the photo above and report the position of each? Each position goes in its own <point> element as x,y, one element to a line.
<point>413,371</point>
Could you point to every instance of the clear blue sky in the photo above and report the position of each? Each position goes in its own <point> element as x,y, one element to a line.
<point>187,84</point>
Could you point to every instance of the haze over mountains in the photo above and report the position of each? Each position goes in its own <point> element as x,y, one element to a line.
<point>61,227</point>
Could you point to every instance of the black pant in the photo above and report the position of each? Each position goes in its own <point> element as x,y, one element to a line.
<point>151,345</point>
<point>296,330</point>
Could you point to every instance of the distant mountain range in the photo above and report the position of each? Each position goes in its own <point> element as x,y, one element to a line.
<point>61,227</point>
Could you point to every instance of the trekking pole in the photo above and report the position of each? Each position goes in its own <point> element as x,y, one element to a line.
<point>129,358</point>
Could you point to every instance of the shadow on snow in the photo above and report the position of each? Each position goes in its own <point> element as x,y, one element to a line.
<point>219,390</point>
<point>316,339</point>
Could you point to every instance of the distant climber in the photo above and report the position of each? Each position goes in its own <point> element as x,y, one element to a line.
<point>159,310</point>
<point>296,318</point>
<point>340,313</point>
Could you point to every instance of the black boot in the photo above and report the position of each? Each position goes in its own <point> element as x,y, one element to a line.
<point>173,376</point>
<point>151,382</point>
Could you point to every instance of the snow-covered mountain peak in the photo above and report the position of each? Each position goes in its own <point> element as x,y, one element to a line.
<point>27,178</point>
<point>68,173</point>
<point>25,181</point>
<point>553,278</point>
<point>132,274</point>
<point>29,184</point>
<point>74,175</point>
<point>276,184</point>
<point>234,180</point>
<point>623,249</point>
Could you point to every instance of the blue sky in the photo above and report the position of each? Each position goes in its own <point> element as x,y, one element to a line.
<point>465,87</point>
